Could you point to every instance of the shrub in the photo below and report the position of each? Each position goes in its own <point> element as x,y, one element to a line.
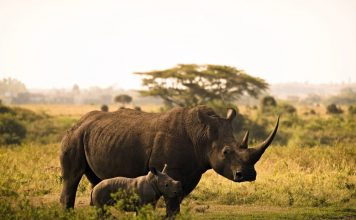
<point>333,109</point>
<point>352,110</point>
<point>267,103</point>
<point>5,109</point>
<point>12,131</point>
<point>288,108</point>
<point>18,125</point>
<point>104,108</point>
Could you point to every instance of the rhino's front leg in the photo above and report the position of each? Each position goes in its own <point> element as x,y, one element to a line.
<point>172,206</point>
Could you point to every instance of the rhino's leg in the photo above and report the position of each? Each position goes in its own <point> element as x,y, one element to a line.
<point>193,182</point>
<point>93,179</point>
<point>173,205</point>
<point>73,165</point>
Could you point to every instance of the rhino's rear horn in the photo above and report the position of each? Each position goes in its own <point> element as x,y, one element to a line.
<point>260,149</point>
<point>244,143</point>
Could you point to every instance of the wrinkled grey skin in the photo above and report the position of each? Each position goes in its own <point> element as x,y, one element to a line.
<point>149,188</point>
<point>127,143</point>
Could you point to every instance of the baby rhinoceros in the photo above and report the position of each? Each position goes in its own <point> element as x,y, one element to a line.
<point>149,188</point>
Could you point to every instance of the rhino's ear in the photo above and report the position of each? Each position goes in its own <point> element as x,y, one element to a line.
<point>203,117</point>
<point>231,114</point>
<point>209,120</point>
<point>154,171</point>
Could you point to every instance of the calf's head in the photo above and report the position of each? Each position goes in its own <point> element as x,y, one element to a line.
<point>231,159</point>
<point>167,186</point>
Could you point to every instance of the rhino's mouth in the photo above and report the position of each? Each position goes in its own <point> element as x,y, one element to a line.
<point>238,177</point>
<point>244,180</point>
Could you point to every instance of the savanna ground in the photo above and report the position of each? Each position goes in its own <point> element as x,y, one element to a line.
<point>293,182</point>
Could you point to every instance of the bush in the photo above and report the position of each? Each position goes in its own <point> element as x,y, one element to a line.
<point>267,103</point>
<point>18,125</point>
<point>104,108</point>
<point>12,131</point>
<point>327,132</point>
<point>352,110</point>
<point>28,115</point>
<point>333,109</point>
<point>288,108</point>
<point>5,109</point>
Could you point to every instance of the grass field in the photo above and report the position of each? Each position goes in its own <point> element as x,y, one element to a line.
<point>292,183</point>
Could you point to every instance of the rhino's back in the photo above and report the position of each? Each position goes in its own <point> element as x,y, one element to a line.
<point>120,143</point>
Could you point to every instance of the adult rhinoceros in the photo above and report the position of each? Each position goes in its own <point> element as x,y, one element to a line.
<point>128,142</point>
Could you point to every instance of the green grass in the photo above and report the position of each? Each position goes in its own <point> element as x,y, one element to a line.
<point>272,212</point>
<point>292,183</point>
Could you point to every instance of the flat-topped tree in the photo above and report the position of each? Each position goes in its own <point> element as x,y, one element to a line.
<point>191,84</point>
<point>123,99</point>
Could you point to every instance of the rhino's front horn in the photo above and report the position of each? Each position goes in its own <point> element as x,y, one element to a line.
<point>260,149</point>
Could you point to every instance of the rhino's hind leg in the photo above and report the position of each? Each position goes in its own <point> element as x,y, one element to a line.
<point>73,168</point>
<point>93,179</point>
<point>69,190</point>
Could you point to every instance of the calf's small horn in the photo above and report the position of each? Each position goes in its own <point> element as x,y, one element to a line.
<point>164,170</point>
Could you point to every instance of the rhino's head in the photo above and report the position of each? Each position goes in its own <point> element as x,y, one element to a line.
<point>167,186</point>
<point>231,159</point>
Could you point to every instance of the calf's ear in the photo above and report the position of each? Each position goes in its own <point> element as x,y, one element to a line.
<point>154,171</point>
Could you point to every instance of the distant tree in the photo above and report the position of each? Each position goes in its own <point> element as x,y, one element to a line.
<point>191,85</point>
<point>288,108</point>
<point>22,98</point>
<point>10,87</point>
<point>75,89</point>
<point>123,99</point>
<point>267,103</point>
<point>138,108</point>
<point>333,109</point>
<point>104,108</point>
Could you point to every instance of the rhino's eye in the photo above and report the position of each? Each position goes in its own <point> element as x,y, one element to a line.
<point>226,151</point>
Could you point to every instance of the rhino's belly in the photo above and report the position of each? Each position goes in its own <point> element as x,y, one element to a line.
<point>127,157</point>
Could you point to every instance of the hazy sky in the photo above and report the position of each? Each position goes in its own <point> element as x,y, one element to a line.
<point>52,43</point>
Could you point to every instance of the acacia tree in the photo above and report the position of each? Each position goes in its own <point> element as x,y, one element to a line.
<point>190,84</point>
<point>123,99</point>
